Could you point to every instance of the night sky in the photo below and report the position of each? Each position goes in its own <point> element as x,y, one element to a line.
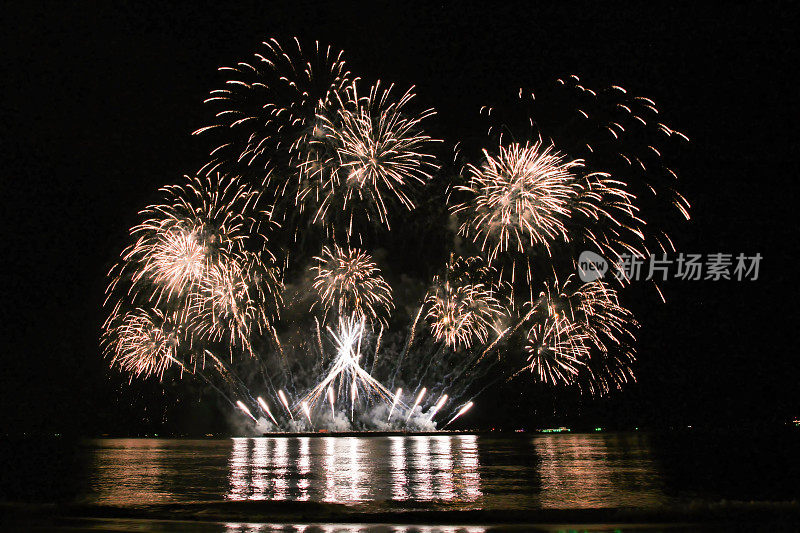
<point>99,102</point>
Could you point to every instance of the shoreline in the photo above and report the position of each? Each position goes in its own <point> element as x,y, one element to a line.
<point>373,513</point>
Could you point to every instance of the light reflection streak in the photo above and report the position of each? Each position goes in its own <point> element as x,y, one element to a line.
<point>346,528</point>
<point>398,472</point>
<point>281,469</point>
<point>259,468</point>
<point>442,461</point>
<point>304,464</point>
<point>421,468</point>
<point>469,465</point>
<point>330,464</point>
<point>426,529</point>
<point>353,469</point>
<point>581,471</point>
<point>128,468</point>
<point>239,470</point>
<point>545,471</point>
<point>343,472</point>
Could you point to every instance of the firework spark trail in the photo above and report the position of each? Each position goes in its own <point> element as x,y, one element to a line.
<point>226,372</point>
<point>408,343</point>
<point>285,403</point>
<point>266,409</point>
<point>377,350</point>
<point>307,412</point>
<point>210,383</point>
<point>461,411</point>
<point>458,373</point>
<point>319,338</point>
<point>353,394</point>
<point>489,375</point>
<point>394,403</point>
<point>331,401</point>
<point>416,403</point>
<point>346,366</point>
<point>494,343</point>
<point>245,410</point>
<point>438,406</point>
<point>422,371</point>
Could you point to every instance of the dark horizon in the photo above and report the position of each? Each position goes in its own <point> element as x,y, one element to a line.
<point>101,100</point>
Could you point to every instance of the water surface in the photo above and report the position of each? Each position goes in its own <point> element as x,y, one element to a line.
<point>450,471</point>
<point>324,483</point>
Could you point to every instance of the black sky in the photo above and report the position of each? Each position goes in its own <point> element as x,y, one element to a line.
<point>99,101</point>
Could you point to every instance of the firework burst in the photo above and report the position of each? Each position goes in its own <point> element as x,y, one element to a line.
<point>143,342</point>
<point>234,300</point>
<point>574,328</point>
<point>379,153</point>
<point>334,161</point>
<point>623,139</point>
<point>462,307</point>
<point>267,113</point>
<point>191,263</point>
<point>174,259</point>
<point>519,199</point>
<point>557,349</point>
<point>349,283</point>
<point>198,225</point>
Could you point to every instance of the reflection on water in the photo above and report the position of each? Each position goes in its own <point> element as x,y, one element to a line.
<point>135,467</point>
<point>148,471</point>
<point>348,528</point>
<point>441,471</point>
<point>353,469</point>
<point>586,471</point>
